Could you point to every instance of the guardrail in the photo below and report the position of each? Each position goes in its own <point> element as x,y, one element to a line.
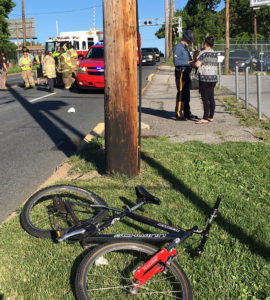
<point>259,93</point>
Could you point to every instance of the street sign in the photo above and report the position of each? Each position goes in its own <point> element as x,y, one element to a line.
<point>16,28</point>
<point>258,3</point>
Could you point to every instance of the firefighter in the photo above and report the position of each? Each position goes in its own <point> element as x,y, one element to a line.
<point>26,62</point>
<point>65,67</point>
<point>74,59</point>
<point>49,70</point>
<point>56,54</point>
<point>39,59</point>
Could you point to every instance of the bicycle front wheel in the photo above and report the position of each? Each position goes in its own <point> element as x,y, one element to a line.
<point>107,273</point>
<point>46,210</point>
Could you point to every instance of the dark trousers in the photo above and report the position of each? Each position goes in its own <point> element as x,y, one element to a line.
<point>207,92</point>
<point>51,84</point>
<point>182,81</point>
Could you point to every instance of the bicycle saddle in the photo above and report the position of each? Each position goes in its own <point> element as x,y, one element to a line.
<point>143,195</point>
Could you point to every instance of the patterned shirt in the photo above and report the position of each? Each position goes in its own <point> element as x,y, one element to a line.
<point>208,70</point>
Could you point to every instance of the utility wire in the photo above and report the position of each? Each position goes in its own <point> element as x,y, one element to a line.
<point>62,12</point>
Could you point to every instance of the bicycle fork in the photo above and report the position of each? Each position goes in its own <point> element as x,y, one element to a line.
<point>154,265</point>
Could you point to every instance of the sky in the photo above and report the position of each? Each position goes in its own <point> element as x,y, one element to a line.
<point>78,15</point>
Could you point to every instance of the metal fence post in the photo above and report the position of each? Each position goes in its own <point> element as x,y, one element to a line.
<point>236,83</point>
<point>259,104</point>
<point>246,86</point>
<point>219,71</point>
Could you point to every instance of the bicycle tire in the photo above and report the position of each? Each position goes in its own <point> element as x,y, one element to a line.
<point>37,213</point>
<point>101,265</point>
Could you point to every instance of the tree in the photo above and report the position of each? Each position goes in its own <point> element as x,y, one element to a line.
<point>241,21</point>
<point>5,8</point>
<point>201,17</point>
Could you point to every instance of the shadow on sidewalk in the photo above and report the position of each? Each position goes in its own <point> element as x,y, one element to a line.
<point>159,113</point>
<point>233,229</point>
<point>39,111</point>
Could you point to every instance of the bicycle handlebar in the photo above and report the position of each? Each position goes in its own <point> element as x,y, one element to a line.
<point>199,250</point>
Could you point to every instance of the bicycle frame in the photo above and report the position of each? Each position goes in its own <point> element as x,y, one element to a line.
<point>173,233</point>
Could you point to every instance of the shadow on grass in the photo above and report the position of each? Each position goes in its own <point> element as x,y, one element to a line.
<point>74,269</point>
<point>233,229</point>
<point>94,153</point>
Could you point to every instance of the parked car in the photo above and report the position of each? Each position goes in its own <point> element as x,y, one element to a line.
<point>91,69</point>
<point>240,58</point>
<point>263,62</point>
<point>148,56</point>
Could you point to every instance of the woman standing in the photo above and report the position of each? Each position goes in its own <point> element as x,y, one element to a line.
<point>3,71</point>
<point>207,63</point>
<point>49,70</point>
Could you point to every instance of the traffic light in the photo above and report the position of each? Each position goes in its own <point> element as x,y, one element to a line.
<point>147,22</point>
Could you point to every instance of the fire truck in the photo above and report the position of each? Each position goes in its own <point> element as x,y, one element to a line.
<point>80,40</point>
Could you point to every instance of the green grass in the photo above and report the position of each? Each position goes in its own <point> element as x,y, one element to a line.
<point>248,117</point>
<point>168,63</point>
<point>187,177</point>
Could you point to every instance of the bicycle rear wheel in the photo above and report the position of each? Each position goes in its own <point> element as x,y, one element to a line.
<point>45,211</point>
<point>107,273</point>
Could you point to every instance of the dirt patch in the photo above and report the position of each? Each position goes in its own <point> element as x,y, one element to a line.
<point>63,173</point>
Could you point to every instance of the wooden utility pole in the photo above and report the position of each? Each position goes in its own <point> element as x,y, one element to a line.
<point>120,95</point>
<point>23,23</point>
<point>227,36</point>
<point>255,30</point>
<point>30,28</point>
<point>170,28</point>
<point>173,6</point>
<point>166,31</point>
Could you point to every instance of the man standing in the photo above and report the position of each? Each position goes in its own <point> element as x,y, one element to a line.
<point>65,67</point>
<point>74,59</point>
<point>26,62</point>
<point>182,60</point>
<point>49,70</point>
<point>39,58</point>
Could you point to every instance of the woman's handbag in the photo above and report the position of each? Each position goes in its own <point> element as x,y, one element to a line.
<point>194,81</point>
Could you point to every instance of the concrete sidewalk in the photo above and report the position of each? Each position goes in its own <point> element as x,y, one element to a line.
<point>158,105</point>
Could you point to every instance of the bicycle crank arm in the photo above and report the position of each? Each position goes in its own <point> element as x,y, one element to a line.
<point>70,234</point>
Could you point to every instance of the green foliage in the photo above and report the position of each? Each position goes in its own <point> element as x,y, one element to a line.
<point>241,19</point>
<point>37,43</point>
<point>203,19</point>
<point>5,8</point>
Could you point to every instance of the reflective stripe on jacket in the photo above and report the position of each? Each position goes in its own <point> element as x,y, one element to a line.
<point>25,63</point>
<point>65,64</point>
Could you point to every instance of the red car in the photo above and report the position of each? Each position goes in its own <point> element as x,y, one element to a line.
<point>91,69</point>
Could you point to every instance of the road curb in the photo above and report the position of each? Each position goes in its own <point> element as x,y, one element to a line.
<point>149,79</point>
<point>98,131</point>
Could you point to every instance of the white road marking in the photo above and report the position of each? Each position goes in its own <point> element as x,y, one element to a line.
<point>33,100</point>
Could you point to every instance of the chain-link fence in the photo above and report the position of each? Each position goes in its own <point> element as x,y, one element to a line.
<point>254,56</point>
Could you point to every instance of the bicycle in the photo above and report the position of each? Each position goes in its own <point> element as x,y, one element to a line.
<point>127,266</point>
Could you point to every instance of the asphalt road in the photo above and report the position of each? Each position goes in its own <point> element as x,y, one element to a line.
<point>229,82</point>
<point>37,134</point>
